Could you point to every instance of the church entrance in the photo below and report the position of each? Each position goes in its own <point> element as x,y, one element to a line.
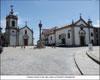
<point>25,42</point>
<point>63,41</point>
<point>82,40</point>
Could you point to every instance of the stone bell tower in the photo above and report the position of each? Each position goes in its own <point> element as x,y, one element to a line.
<point>11,28</point>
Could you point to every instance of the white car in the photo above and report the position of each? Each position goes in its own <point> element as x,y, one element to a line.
<point>60,45</point>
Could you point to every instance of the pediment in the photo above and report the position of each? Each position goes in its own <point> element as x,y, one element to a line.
<point>81,23</point>
<point>26,27</point>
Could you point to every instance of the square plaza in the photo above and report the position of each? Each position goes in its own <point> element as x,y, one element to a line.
<point>47,61</point>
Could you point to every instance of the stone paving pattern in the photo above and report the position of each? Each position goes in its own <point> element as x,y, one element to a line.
<point>96,52</point>
<point>17,61</point>
<point>86,65</point>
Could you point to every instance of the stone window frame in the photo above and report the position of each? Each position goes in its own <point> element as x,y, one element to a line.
<point>51,38</point>
<point>96,30</point>
<point>7,24</point>
<point>81,28</point>
<point>13,31</point>
<point>25,31</point>
<point>92,41</point>
<point>97,42</point>
<point>59,36</point>
<point>68,35</point>
<point>92,34</point>
<point>97,36</point>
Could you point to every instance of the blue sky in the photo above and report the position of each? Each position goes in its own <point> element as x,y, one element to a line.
<point>51,12</point>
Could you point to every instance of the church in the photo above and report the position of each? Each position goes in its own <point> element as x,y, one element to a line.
<point>78,33</point>
<point>15,36</point>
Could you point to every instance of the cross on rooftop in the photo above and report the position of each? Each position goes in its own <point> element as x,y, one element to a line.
<point>11,7</point>
<point>80,16</point>
<point>26,23</point>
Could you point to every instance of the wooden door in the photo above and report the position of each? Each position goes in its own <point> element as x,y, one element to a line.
<point>25,42</point>
<point>82,40</point>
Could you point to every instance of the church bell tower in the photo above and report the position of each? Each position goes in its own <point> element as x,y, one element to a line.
<point>11,28</point>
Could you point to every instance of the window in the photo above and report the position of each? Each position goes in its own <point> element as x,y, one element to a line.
<point>7,24</point>
<point>13,31</point>
<point>96,35</point>
<point>92,42</point>
<point>25,31</point>
<point>68,35</point>
<point>13,23</point>
<point>81,28</point>
<point>59,36</point>
<point>91,34</point>
<point>96,30</point>
<point>97,42</point>
<point>51,37</point>
<point>46,39</point>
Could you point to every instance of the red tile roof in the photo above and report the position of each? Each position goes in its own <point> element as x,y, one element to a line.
<point>63,27</point>
<point>66,26</point>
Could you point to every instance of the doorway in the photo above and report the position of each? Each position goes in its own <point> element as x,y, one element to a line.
<point>63,41</point>
<point>82,40</point>
<point>25,42</point>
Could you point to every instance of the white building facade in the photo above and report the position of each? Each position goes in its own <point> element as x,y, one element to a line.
<point>79,33</point>
<point>17,36</point>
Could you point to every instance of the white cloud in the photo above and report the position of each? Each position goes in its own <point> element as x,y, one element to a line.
<point>3,23</point>
<point>97,23</point>
<point>20,21</point>
<point>16,13</point>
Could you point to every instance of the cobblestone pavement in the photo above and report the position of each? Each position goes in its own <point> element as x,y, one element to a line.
<point>17,61</point>
<point>85,64</point>
<point>95,52</point>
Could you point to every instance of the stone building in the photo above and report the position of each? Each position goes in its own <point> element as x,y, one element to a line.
<point>0,36</point>
<point>79,33</point>
<point>16,36</point>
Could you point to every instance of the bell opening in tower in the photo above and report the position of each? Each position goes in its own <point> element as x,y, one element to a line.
<point>13,23</point>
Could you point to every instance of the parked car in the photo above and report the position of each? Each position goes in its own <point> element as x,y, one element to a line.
<point>1,49</point>
<point>60,45</point>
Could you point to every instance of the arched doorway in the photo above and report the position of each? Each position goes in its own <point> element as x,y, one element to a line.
<point>63,39</point>
<point>82,37</point>
<point>25,42</point>
<point>25,38</point>
<point>82,40</point>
